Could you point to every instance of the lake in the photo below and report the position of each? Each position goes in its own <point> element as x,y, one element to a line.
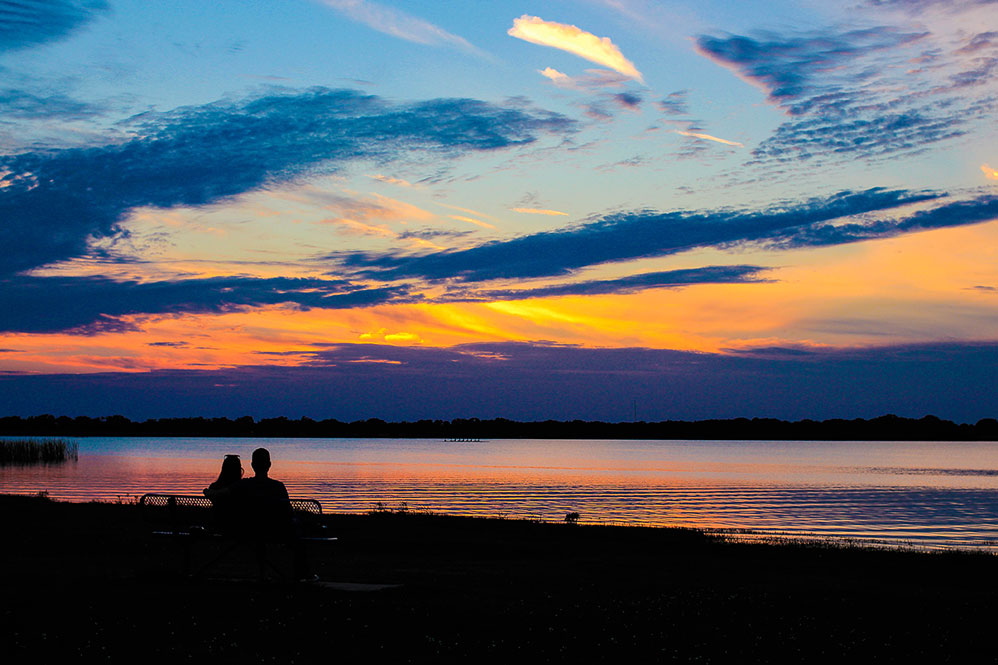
<point>925,494</point>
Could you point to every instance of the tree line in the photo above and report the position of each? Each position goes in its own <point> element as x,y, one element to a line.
<point>884,428</point>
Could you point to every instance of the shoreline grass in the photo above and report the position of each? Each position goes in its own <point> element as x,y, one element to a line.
<point>477,590</point>
<point>18,452</point>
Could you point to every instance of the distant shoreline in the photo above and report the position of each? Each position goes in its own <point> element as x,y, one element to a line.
<point>883,428</point>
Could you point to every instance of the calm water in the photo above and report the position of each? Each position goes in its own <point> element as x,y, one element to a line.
<point>928,494</point>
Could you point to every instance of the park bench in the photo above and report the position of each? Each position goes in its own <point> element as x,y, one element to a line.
<point>190,519</point>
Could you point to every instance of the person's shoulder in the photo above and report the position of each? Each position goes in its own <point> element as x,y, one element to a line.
<point>276,484</point>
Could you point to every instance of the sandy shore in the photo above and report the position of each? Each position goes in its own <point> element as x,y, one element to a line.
<point>88,581</point>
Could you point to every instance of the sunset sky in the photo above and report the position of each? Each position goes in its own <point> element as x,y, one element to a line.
<point>597,209</point>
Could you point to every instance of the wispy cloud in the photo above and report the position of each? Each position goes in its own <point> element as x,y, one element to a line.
<point>708,137</point>
<point>354,227</point>
<point>88,305</point>
<point>539,211</point>
<point>469,211</point>
<point>675,103</point>
<point>916,5</point>
<point>600,50</point>
<point>559,78</point>
<point>55,200</point>
<point>390,180</point>
<point>472,220</point>
<point>647,233</point>
<point>670,279</point>
<point>371,207</point>
<point>861,93</point>
<point>399,24</point>
<point>25,23</point>
<point>27,104</point>
<point>593,79</point>
<point>989,172</point>
<point>630,101</point>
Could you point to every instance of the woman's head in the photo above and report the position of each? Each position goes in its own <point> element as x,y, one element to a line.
<point>232,470</point>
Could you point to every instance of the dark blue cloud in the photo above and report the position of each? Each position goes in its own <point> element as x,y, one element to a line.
<point>540,381</point>
<point>844,103</point>
<point>674,103</point>
<point>882,134</point>
<point>25,104</point>
<point>971,211</point>
<point>630,101</point>
<point>622,237</point>
<point>631,284</point>
<point>92,305</point>
<point>25,23</point>
<point>793,69</point>
<point>87,305</point>
<point>196,155</point>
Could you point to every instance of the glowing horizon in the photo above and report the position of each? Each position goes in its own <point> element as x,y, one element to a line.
<point>227,207</point>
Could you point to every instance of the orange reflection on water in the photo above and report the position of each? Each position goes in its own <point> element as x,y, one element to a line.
<point>942,497</point>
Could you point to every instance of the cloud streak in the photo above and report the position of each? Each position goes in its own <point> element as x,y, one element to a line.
<point>87,305</point>
<point>643,234</point>
<point>539,211</point>
<point>571,39</point>
<point>856,93</point>
<point>472,220</point>
<point>593,79</point>
<point>708,137</point>
<point>397,23</point>
<point>671,279</point>
<point>53,201</point>
<point>25,23</point>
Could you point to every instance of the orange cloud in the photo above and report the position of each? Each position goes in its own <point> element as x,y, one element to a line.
<point>470,220</point>
<point>390,180</point>
<point>914,288</point>
<point>469,211</point>
<point>708,137</point>
<point>354,227</point>
<point>989,173</point>
<point>382,335</point>
<point>578,42</point>
<point>559,78</point>
<point>539,211</point>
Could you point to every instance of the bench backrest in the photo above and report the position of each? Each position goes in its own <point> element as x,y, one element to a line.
<point>185,501</point>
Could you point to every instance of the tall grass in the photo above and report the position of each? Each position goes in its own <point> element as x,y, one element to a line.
<point>32,451</point>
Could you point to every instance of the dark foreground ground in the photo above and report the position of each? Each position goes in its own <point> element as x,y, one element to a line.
<point>88,581</point>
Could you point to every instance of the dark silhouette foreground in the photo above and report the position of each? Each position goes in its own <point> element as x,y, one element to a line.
<point>257,509</point>
<point>483,591</point>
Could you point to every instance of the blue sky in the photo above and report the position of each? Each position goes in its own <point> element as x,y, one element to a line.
<point>208,188</point>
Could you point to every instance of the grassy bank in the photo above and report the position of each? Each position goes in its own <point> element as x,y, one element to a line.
<point>34,451</point>
<point>85,580</point>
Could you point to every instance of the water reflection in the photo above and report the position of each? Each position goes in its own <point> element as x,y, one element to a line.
<point>947,495</point>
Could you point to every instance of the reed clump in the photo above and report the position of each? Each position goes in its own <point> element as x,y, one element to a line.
<point>34,451</point>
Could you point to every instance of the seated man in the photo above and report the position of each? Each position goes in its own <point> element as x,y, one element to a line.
<point>264,501</point>
<point>266,511</point>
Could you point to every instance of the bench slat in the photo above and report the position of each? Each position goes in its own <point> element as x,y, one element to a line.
<point>154,500</point>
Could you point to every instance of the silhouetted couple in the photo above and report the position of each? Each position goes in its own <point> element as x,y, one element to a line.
<point>257,508</point>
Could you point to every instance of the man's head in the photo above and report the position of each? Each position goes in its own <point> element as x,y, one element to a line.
<point>261,461</point>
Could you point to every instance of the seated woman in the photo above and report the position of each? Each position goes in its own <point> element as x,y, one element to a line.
<point>221,492</point>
